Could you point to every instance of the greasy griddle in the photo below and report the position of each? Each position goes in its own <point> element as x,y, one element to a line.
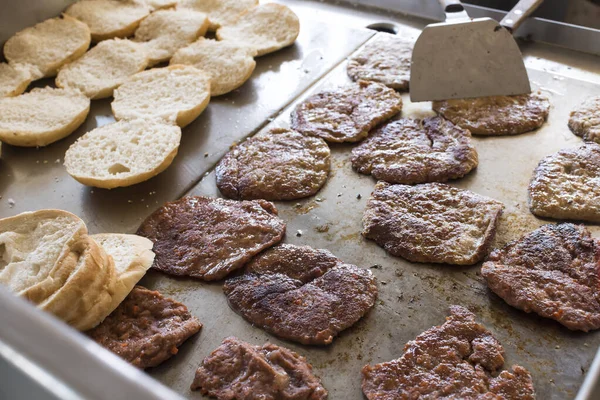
<point>413,297</point>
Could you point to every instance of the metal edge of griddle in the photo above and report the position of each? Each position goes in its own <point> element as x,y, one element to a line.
<point>557,33</point>
<point>64,363</point>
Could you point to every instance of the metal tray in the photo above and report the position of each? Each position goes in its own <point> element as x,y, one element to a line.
<point>413,297</point>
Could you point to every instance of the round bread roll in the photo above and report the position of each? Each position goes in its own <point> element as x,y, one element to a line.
<point>14,79</point>
<point>267,28</point>
<point>47,46</point>
<point>41,116</point>
<point>220,12</point>
<point>165,31</point>
<point>229,64</point>
<point>178,93</point>
<point>90,286</point>
<point>108,19</point>
<point>124,153</point>
<point>133,256</point>
<point>35,250</point>
<point>102,69</point>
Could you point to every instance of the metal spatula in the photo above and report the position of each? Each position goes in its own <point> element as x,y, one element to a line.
<point>466,57</point>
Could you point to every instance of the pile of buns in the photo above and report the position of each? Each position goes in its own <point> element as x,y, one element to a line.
<point>49,258</point>
<point>150,105</point>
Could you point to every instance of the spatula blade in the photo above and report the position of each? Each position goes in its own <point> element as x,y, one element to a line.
<point>467,58</point>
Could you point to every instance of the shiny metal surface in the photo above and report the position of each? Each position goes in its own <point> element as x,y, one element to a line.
<point>413,297</point>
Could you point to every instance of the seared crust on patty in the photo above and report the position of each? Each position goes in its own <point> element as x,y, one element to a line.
<point>302,294</point>
<point>413,151</point>
<point>585,120</point>
<point>346,114</point>
<point>146,329</point>
<point>566,185</point>
<point>553,271</point>
<point>431,222</point>
<point>207,238</point>
<point>279,165</point>
<point>457,360</point>
<point>386,59</point>
<point>496,115</point>
<point>239,370</point>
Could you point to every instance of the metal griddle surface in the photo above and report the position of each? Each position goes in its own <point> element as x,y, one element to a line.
<point>413,297</point>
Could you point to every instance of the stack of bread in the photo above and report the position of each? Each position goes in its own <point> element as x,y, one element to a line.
<point>48,258</point>
<point>150,106</point>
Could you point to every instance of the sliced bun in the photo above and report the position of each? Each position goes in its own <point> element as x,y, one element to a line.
<point>158,4</point>
<point>102,69</point>
<point>108,19</point>
<point>267,28</point>
<point>124,153</point>
<point>90,287</point>
<point>165,31</point>
<point>14,79</point>
<point>228,63</point>
<point>178,93</point>
<point>47,46</point>
<point>133,256</point>
<point>35,252</point>
<point>220,12</point>
<point>41,116</point>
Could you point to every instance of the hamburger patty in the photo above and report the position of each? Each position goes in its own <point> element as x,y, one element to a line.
<point>496,115</point>
<point>566,185</point>
<point>239,370</point>
<point>585,120</point>
<point>457,360</point>
<point>146,329</point>
<point>208,238</point>
<point>554,272</point>
<point>386,60</point>
<point>431,222</point>
<point>280,165</point>
<point>413,151</point>
<point>346,114</point>
<point>302,294</point>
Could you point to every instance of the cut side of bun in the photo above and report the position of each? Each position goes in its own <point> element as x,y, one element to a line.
<point>133,256</point>
<point>108,19</point>
<point>41,116</point>
<point>35,249</point>
<point>267,28</point>
<point>178,94</point>
<point>229,64</point>
<point>220,12</point>
<point>165,31</point>
<point>158,4</point>
<point>124,153</point>
<point>47,46</point>
<point>102,69</point>
<point>14,79</point>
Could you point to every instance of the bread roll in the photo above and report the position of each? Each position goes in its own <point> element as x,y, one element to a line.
<point>14,79</point>
<point>220,12</point>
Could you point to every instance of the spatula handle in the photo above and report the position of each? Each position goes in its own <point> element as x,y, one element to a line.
<point>451,6</point>
<point>519,14</point>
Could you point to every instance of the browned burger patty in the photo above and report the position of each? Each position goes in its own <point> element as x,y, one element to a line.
<point>457,360</point>
<point>496,115</point>
<point>432,222</point>
<point>585,120</point>
<point>241,371</point>
<point>146,329</point>
<point>280,165</point>
<point>302,294</point>
<point>208,238</point>
<point>346,114</point>
<point>386,59</point>
<point>413,151</point>
<point>566,185</point>
<point>554,272</point>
